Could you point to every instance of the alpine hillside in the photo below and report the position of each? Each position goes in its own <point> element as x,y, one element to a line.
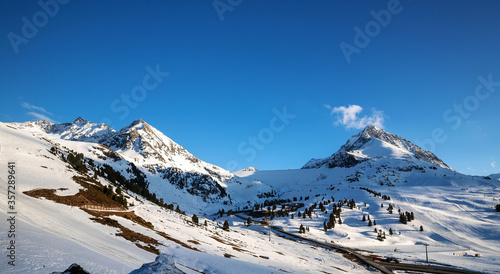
<point>115,200</point>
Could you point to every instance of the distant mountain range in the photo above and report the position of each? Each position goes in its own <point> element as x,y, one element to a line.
<point>382,157</point>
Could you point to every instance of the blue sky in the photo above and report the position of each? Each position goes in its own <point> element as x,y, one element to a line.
<point>266,84</point>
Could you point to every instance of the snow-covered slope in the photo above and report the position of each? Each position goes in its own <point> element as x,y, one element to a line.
<point>157,157</point>
<point>456,211</point>
<point>371,144</point>
<point>53,234</point>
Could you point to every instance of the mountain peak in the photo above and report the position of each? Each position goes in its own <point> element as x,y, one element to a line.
<point>79,120</point>
<point>372,130</point>
<point>372,143</point>
<point>136,125</point>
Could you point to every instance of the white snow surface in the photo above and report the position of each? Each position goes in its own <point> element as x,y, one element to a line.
<point>455,210</point>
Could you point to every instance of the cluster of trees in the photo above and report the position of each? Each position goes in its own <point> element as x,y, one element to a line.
<point>118,196</point>
<point>381,234</point>
<point>376,194</point>
<point>303,229</point>
<point>77,161</point>
<point>331,222</point>
<point>370,223</point>
<point>390,208</point>
<point>406,217</point>
<point>274,202</point>
<point>301,198</point>
<point>221,212</point>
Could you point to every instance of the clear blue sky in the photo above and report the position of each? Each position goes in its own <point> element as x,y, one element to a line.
<point>229,67</point>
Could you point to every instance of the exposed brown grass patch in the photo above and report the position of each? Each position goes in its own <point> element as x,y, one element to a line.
<point>168,237</point>
<point>90,195</point>
<point>227,255</point>
<point>338,268</point>
<point>125,214</point>
<point>194,242</point>
<point>130,235</point>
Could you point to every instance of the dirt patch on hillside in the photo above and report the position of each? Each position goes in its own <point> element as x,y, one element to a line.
<point>168,237</point>
<point>89,195</point>
<point>125,214</point>
<point>131,235</point>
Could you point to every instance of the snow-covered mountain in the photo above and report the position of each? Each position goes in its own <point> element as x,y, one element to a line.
<point>159,158</point>
<point>371,144</point>
<point>76,185</point>
<point>78,130</point>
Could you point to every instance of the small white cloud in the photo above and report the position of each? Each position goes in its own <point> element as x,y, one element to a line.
<point>493,164</point>
<point>349,117</point>
<point>32,107</point>
<point>469,168</point>
<point>41,117</point>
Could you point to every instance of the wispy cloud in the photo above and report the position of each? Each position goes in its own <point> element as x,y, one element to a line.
<point>493,164</point>
<point>41,117</point>
<point>32,107</point>
<point>349,117</point>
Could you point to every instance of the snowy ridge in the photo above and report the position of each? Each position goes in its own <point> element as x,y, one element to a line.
<point>160,158</point>
<point>78,130</point>
<point>373,143</point>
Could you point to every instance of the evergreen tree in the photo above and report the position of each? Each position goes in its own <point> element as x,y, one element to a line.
<point>195,219</point>
<point>249,221</point>
<point>402,218</point>
<point>226,226</point>
<point>421,228</point>
<point>390,231</point>
<point>364,218</point>
<point>497,208</point>
<point>206,223</point>
<point>370,223</point>
<point>374,222</point>
<point>302,229</point>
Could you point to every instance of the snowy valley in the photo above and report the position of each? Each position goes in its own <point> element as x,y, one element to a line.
<point>113,200</point>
